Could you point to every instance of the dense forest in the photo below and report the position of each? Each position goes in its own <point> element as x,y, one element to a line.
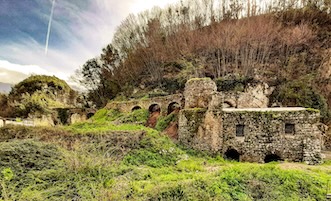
<point>284,43</point>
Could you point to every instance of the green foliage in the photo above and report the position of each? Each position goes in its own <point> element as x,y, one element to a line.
<point>301,93</point>
<point>113,166</point>
<point>163,122</point>
<point>26,155</point>
<point>38,94</point>
<point>154,151</point>
<point>137,116</point>
<point>38,83</point>
<point>104,115</point>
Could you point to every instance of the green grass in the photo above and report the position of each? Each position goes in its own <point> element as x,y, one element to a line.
<point>97,161</point>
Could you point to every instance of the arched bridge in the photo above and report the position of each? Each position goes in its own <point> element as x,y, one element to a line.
<point>165,104</point>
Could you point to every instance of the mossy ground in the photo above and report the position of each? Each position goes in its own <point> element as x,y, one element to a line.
<point>103,161</point>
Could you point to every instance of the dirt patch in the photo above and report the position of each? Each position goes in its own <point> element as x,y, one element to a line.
<point>172,130</point>
<point>152,120</point>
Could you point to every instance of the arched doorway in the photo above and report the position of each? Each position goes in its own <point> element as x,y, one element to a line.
<point>272,158</point>
<point>135,108</point>
<point>174,106</point>
<point>232,154</point>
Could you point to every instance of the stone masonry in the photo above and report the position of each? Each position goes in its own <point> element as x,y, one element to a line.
<point>247,134</point>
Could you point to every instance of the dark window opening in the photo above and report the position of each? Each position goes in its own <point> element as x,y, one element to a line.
<point>272,158</point>
<point>232,154</point>
<point>240,130</point>
<point>136,108</point>
<point>289,129</point>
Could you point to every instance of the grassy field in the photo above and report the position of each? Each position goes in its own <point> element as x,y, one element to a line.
<point>107,160</point>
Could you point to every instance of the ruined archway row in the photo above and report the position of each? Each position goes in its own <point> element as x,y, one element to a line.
<point>156,107</point>
<point>166,104</point>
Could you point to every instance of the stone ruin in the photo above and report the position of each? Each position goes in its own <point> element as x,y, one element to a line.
<point>247,134</point>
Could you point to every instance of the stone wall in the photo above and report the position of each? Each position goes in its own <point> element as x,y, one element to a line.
<point>199,129</point>
<point>286,133</point>
<point>264,134</point>
<point>254,96</point>
<point>198,92</point>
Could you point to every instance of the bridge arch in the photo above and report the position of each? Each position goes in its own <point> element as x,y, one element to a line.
<point>137,107</point>
<point>154,107</point>
<point>173,106</point>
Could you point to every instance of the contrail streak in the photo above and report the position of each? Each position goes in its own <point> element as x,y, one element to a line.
<point>49,27</point>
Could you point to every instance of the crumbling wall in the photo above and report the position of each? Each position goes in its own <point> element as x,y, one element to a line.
<point>254,96</point>
<point>201,121</point>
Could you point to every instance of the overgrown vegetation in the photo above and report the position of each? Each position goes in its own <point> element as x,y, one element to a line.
<point>98,164</point>
<point>37,95</point>
<point>163,122</point>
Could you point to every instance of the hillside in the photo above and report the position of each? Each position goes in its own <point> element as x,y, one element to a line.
<point>37,95</point>
<point>105,160</point>
<point>287,47</point>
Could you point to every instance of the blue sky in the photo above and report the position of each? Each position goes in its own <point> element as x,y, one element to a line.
<point>80,29</point>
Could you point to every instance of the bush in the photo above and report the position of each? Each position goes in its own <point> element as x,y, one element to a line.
<point>233,83</point>
<point>163,122</point>
<point>301,93</point>
<point>104,115</point>
<point>137,116</point>
<point>154,151</point>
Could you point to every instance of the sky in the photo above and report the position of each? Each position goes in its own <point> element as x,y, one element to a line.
<point>80,29</point>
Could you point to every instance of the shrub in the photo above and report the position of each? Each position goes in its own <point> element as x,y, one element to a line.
<point>104,115</point>
<point>233,83</point>
<point>154,151</point>
<point>300,92</point>
<point>137,116</point>
<point>163,122</point>
<point>26,155</point>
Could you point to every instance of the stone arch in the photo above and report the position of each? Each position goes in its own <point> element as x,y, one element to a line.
<point>232,154</point>
<point>89,115</point>
<point>228,104</point>
<point>137,107</point>
<point>172,107</point>
<point>272,158</point>
<point>154,108</point>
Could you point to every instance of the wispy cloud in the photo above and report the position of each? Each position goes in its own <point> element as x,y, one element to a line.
<point>80,30</point>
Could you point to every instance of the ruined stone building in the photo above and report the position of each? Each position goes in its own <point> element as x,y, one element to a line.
<point>247,134</point>
<point>238,125</point>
